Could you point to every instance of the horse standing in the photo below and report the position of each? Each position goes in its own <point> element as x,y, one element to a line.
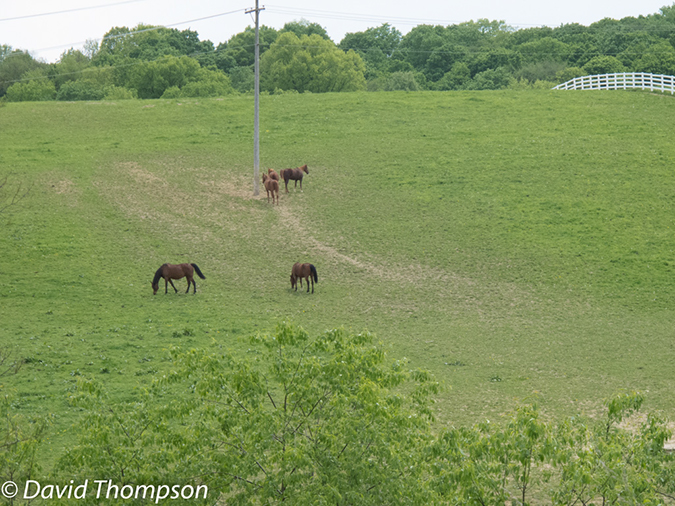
<point>271,186</point>
<point>294,174</point>
<point>307,271</point>
<point>273,174</point>
<point>171,271</point>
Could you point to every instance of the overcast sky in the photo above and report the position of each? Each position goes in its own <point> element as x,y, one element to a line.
<point>46,28</point>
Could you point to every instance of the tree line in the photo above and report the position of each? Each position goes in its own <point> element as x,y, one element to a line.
<point>155,62</point>
<point>331,420</point>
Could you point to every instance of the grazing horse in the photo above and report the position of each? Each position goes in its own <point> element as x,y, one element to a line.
<point>171,271</point>
<point>273,174</point>
<point>307,271</point>
<point>271,186</point>
<point>294,174</point>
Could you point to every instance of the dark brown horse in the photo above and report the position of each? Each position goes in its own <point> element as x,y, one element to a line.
<point>271,186</point>
<point>171,271</point>
<point>293,174</point>
<point>307,271</point>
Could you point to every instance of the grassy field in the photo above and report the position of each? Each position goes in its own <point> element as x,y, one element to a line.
<point>518,245</point>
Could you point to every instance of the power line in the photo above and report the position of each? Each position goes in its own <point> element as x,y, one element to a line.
<point>70,10</point>
<point>380,18</point>
<point>71,44</point>
<point>352,16</point>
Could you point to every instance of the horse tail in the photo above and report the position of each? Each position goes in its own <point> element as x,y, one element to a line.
<point>313,271</point>
<point>199,273</point>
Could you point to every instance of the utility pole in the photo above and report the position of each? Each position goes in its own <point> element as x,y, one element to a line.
<point>256,121</point>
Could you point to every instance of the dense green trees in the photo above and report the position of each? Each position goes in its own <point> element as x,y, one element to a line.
<point>479,54</point>
<point>310,63</point>
<point>297,420</point>
<point>183,75</point>
<point>13,67</point>
<point>331,420</point>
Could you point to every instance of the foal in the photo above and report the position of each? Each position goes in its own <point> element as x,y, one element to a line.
<point>271,186</point>
<point>273,174</point>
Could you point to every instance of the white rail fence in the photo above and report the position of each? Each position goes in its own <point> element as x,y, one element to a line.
<point>652,82</point>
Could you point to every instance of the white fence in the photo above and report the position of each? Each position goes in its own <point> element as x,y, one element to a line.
<point>653,82</point>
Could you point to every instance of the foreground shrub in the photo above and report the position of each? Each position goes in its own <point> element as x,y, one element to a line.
<point>323,420</point>
<point>296,420</point>
<point>579,461</point>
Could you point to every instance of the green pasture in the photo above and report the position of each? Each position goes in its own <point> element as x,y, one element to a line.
<point>519,245</point>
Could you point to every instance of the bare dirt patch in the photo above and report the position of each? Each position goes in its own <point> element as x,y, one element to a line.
<point>65,188</point>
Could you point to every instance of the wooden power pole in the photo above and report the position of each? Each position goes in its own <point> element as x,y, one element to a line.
<point>256,121</point>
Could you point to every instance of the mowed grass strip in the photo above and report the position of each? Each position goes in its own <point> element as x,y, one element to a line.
<point>515,244</point>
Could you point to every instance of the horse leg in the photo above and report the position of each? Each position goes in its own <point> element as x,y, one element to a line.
<point>166,285</point>
<point>174,288</point>
<point>307,279</point>
<point>286,183</point>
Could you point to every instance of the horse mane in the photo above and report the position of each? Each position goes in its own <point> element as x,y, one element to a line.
<point>158,275</point>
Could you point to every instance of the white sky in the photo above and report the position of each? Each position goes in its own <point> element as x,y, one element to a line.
<point>46,37</point>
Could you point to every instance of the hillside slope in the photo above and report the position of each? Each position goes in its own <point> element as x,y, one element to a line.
<point>515,244</point>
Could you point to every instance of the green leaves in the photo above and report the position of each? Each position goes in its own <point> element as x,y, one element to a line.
<point>299,418</point>
<point>310,63</point>
<point>577,461</point>
<point>20,439</point>
<point>325,421</point>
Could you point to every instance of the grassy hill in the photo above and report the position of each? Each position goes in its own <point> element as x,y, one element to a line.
<point>517,245</point>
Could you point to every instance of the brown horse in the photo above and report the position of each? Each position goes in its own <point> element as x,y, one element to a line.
<point>271,186</point>
<point>171,271</point>
<point>294,174</point>
<point>273,174</point>
<point>307,271</point>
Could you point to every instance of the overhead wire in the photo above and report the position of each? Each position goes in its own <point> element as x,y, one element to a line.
<point>149,29</point>
<point>66,11</point>
<point>272,9</point>
<point>472,52</point>
<point>379,17</point>
<point>346,16</point>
